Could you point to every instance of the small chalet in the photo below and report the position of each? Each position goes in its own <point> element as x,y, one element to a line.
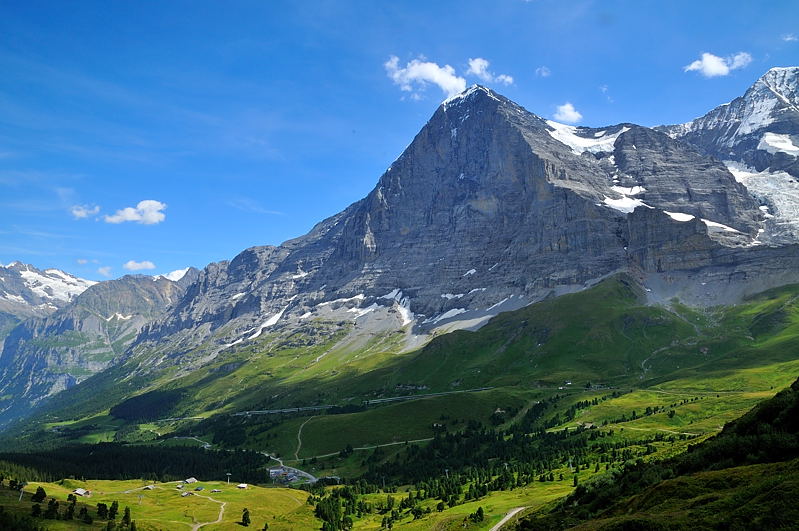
<point>241,486</point>
<point>191,480</point>
<point>82,492</point>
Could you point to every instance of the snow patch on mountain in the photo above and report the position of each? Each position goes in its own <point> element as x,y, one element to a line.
<point>631,190</point>
<point>776,143</point>
<point>466,94</point>
<point>175,275</point>
<point>778,190</point>
<point>679,216</point>
<point>270,322</point>
<point>402,306</point>
<point>720,226</point>
<point>626,204</point>
<point>567,134</point>
<point>54,284</point>
<point>446,315</point>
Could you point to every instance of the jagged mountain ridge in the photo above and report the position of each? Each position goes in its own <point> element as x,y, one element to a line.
<point>757,135</point>
<point>44,355</point>
<point>26,291</point>
<point>489,208</point>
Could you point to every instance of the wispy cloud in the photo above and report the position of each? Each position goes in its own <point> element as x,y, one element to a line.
<point>147,212</point>
<point>133,265</point>
<point>604,90</point>
<point>417,74</point>
<point>790,37</point>
<point>478,67</point>
<point>253,207</point>
<point>84,211</point>
<point>710,65</point>
<point>105,271</point>
<point>567,113</point>
<point>543,71</point>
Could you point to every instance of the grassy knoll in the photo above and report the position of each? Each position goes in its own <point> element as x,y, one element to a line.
<point>163,508</point>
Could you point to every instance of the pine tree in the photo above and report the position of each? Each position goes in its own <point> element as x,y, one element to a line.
<point>126,517</point>
<point>112,512</point>
<point>39,496</point>
<point>245,517</point>
<point>102,510</point>
<point>36,510</point>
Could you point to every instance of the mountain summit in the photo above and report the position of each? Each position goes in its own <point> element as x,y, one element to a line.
<point>757,136</point>
<point>490,208</point>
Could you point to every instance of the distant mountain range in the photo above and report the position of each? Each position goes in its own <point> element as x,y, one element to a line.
<point>67,328</point>
<point>490,208</point>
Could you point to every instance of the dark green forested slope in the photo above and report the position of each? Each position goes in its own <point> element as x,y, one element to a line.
<point>746,477</point>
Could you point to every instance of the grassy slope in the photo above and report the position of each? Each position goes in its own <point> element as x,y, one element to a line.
<point>746,477</point>
<point>708,367</point>
<point>603,335</point>
<point>747,497</point>
<point>164,508</point>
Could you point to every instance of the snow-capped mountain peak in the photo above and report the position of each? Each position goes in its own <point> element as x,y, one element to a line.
<point>175,275</point>
<point>26,290</point>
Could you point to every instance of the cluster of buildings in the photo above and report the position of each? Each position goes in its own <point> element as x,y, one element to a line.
<point>282,474</point>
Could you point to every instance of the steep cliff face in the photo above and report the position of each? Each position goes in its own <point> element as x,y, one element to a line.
<point>42,356</point>
<point>489,208</point>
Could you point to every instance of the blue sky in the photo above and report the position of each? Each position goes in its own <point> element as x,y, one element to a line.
<point>245,123</point>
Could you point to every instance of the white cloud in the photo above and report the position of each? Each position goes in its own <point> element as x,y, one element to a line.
<point>147,212</point>
<point>505,79</point>
<point>478,67</point>
<point>543,71</point>
<point>739,60</point>
<point>790,37</point>
<point>132,265</point>
<point>82,261</point>
<point>712,65</point>
<point>105,271</point>
<point>84,211</point>
<point>567,113</point>
<point>418,73</point>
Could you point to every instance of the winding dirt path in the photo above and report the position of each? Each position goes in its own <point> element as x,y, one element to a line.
<point>366,448</point>
<point>511,514</point>
<point>299,438</point>
<point>218,520</point>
